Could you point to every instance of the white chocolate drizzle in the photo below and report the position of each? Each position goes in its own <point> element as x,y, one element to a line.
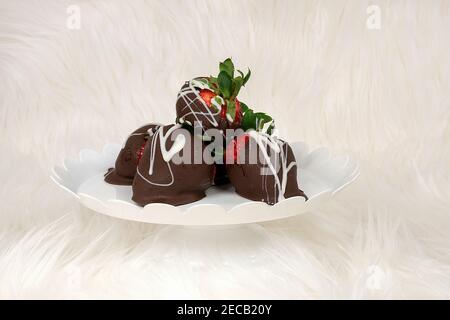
<point>208,114</point>
<point>149,132</point>
<point>263,141</point>
<point>167,154</point>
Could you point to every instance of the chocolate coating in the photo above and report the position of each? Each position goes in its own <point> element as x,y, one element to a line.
<point>127,160</point>
<point>191,108</point>
<point>167,181</point>
<point>220,176</point>
<point>250,183</point>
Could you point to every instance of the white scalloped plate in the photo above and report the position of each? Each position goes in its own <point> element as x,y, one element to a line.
<point>320,176</point>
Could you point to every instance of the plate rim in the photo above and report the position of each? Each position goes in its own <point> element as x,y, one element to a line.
<point>106,206</point>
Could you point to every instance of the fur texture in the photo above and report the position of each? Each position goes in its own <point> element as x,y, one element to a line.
<point>379,95</point>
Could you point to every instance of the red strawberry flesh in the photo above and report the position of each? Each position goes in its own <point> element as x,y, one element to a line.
<point>236,146</point>
<point>238,113</point>
<point>207,96</point>
<point>140,152</point>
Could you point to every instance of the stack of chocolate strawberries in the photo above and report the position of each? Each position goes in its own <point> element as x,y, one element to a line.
<point>216,140</point>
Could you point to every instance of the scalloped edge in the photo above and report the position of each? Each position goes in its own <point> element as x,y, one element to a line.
<point>201,214</point>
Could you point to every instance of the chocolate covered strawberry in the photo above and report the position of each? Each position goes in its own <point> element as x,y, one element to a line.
<point>212,101</point>
<point>129,156</point>
<point>262,168</point>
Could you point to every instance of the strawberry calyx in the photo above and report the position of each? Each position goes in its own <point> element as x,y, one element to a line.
<point>227,86</point>
<point>220,93</point>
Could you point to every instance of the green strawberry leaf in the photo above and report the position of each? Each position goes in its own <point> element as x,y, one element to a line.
<point>224,81</point>
<point>270,129</point>
<point>244,107</point>
<point>213,81</point>
<point>226,86</point>
<point>217,102</point>
<point>263,116</point>
<point>247,76</point>
<point>248,120</point>
<point>214,84</point>
<point>236,86</point>
<point>231,109</point>
<point>228,67</point>
<point>261,119</point>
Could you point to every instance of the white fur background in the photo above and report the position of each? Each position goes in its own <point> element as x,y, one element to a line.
<point>381,95</point>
